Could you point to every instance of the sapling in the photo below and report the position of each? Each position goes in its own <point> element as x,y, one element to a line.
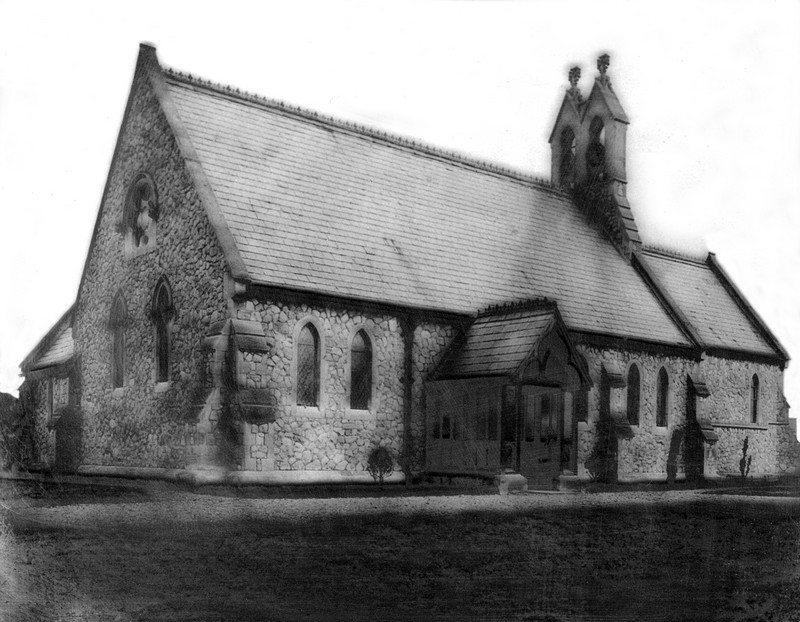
<point>745,461</point>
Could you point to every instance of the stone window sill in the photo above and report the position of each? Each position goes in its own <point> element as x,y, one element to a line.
<point>358,414</point>
<point>312,412</point>
<point>117,391</point>
<point>661,430</point>
<point>738,424</point>
<point>161,387</point>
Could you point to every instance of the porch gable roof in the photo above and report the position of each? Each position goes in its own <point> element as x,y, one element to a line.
<point>501,341</point>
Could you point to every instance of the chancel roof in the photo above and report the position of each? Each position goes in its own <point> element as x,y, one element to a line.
<point>705,297</point>
<point>321,206</point>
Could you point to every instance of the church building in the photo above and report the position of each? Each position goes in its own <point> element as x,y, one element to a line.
<point>271,294</point>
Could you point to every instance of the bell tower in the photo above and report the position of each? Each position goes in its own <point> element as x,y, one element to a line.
<point>588,156</point>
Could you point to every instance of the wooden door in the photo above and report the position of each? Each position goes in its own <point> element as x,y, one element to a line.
<point>540,435</point>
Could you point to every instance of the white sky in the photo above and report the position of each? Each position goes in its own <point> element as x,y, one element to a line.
<point>710,88</point>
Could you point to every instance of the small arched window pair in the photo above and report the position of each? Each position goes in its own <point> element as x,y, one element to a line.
<point>309,362</point>
<point>634,396</point>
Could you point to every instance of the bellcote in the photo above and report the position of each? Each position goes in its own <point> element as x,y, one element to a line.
<point>588,155</point>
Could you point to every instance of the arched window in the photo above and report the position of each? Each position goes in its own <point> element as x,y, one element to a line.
<point>661,398</point>
<point>633,395</point>
<point>754,399</point>
<point>360,372</point>
<point>566,170</point>
<point>596,152</point>
<point>117,321</point>
<point>308,366</point>
<point>163,313</point>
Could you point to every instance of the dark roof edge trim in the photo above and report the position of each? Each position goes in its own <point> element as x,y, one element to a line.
<point>748,310</point>
<point>672,254</point>
<point>57,369</point>
<point>202,186</point>
<point>746,355</point>
<point>664,298</point>
<point>605,340</point>
<point>46,341</point>
<point>275,292</point>
<point>437,378</point>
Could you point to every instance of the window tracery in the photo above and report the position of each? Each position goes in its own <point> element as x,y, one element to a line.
<point>117,322</point>
<point>163,313</point>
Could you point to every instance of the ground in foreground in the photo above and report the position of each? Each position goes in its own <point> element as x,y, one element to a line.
<point>157,552</point>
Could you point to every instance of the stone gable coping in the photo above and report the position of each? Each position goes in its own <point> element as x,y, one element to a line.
<point>149,60</point>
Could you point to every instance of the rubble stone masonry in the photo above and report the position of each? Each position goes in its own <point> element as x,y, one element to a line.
<point>332,436</point>
<point>649,449</point>
<point>145,423</point>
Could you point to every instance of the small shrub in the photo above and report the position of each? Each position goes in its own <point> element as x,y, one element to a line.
<point>380,463</point>
<point>745,461</point>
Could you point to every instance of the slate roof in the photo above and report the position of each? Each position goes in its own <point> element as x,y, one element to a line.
<point>497,345</point>
<point>55,348</point>
<point>320,206</point>
<point>700,294</point>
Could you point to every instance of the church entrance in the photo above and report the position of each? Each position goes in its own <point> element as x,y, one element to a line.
<point>67,429</point>
<point>503,400</point>
<point>541,435</point>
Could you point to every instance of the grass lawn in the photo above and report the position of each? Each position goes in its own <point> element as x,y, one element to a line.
<point>603,556</point>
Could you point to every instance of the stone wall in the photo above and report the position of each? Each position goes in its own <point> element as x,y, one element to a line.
<point>771,442</point>
<point>330,436</point>
<point>431,340</point>
<point>333,436</point>
<point>142,423</point>
<point>651,448</point>
<point>654,451</point>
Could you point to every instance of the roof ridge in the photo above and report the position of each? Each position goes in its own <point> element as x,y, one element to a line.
<point>520,305</point>
<point>388,137</point>
<point>673,254</point>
